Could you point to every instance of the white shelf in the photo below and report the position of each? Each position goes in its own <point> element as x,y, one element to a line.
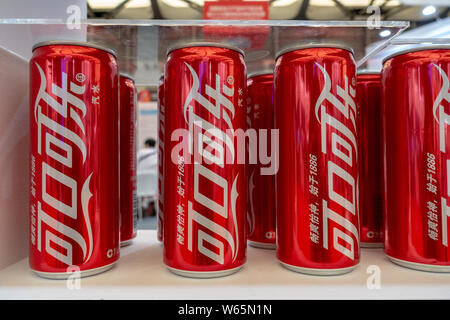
<point>141,274</point>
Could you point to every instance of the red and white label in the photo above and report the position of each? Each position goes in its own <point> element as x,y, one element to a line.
<point>443,118</point>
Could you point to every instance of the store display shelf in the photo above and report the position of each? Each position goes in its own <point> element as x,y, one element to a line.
<point>141,274</point>
<point>142,44</point>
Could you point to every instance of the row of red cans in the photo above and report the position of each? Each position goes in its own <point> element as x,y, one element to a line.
<point>82,166</point>
<point>205,170</point>
<point>341,163</point>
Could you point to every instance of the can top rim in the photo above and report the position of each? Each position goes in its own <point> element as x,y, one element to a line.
<point>364,72</point>
<point>205,44</point>
<point>126,75</point>
<point>74,43</point>
<point>416,49</point>
<point>313,45</point>
<point>260,73</point>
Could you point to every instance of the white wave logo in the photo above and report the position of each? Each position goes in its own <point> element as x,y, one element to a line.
<point>86,196</point>
<point>347,94</point>
<point>234,195</point>
<point>221,110</point>
<point>444,94</point>
<point>70,106</point>
<point>325,93</point>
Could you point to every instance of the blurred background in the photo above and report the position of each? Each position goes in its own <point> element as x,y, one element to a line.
<point>418,12</point>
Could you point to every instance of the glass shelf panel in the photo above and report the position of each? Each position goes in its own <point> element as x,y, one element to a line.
<point>377,52</point>
<point>142,44</point>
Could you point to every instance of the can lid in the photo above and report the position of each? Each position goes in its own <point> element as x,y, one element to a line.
<point>416,49</point>
<point>205,44</point>
<point>260,73</point>
<point>74,43</point>
<point>366,71</point>
<point>126,75</point>
<point>311,45</point>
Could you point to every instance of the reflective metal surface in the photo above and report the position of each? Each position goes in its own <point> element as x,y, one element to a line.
<point>316,185</point>
<point>261,186</point>
<point>368,97</point>
<point>204,220</point>
<point>74,163</point>
<point>416,158</point>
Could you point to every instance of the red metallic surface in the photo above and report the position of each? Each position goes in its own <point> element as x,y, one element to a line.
<point>261,208</point>
<point>74,200</point>
<point>161,113</point>
<point>316,185</point>
<point>416,116</point>
<point>128,200</point>
<point>368,88</point>
<point>204,221</point>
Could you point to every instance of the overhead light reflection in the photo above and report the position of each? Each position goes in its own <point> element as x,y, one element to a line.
<point>429,10</point>
<point>385,33</point>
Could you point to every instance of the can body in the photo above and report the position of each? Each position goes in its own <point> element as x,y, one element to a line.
<point>160,208</point>
<point>416,114</point>
<point>368,91</point>
<point>261,185</point>
<point>128,197</point>
<point>316,184</point>
<point>204,221</point>
<point>74,165</point>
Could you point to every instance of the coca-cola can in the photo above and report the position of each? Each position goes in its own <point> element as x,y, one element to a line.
<point>160,205</point>
<point>204,221</point>
<point>128,196</point>
<point>261,187</point>
<point>416,118</point>
<point>74,162</point>
<point>368,97</point>
<point>317,182</point>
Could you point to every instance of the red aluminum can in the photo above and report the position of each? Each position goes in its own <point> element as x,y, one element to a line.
<point>261,207</point>
<point>368,96</point>
<point>204,221</point>
<point>416,118</point>
<point>74,163</point>
<point>128,197</point>
<point>317,180</point>
<point>161,112</point>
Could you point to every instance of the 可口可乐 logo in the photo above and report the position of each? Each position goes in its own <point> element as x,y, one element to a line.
<point>58,135</point>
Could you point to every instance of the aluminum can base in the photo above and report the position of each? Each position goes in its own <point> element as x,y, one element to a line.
<point>420,266</point>
<point>204,275</point>
<point>262,245</point>
<point>371,245</point>
<point>318,272</point>
<point>65,275</point>
<point>126,242</point>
